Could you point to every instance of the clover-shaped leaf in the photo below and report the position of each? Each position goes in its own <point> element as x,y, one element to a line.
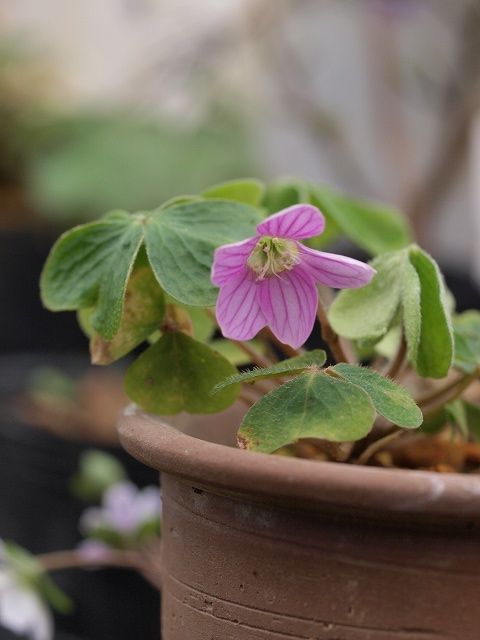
<point>408,289</point>
<point>312,405</point>
<point>178,373</point>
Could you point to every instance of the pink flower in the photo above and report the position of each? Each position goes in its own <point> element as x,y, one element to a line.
<point>271,279</point>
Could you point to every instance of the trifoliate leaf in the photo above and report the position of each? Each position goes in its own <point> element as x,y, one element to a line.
<point>312,405</point>
<point>178,373</point>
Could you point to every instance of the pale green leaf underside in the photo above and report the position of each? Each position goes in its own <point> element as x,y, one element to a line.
<point>312,405</point>
<point>411,310</point>
<point>390,400</point>
<point>367,313</point>
<point>435,347</point>
<point>177,373</point>
<point>467,341</point>
<point>291,366</point>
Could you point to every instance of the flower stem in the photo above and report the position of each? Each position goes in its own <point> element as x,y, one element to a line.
<point>447,393</point>
<point>396,366</point>
<point>329,336</point>
<point>72,559</point>
<point>372,449</point>
<point>286,349</point>
<point>255,357</point>
<point>145,562</point>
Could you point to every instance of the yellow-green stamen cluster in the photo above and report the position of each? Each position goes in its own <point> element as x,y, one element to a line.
<point>271,256</point>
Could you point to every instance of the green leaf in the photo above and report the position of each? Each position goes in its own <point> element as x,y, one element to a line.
<point>113,285</point>
<point>285,193</point>
<point>97,471</point>
<point>248,191</point>
<point>289,367</point>
<point>369,312</point>
<point>143,312</point>
<point>181,240</point>
<point>411,310</point>
<point>177,200</point>
<point>375,227</point>
<point>331,232</point>
<point>71,276</point>
<point>312,405</point>
<point>435,347</point>
<point>466,328</point>
<point>390,400</point>
<point>178,373</point>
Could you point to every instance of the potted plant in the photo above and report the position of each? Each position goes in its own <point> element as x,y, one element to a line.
<point>350,506</point>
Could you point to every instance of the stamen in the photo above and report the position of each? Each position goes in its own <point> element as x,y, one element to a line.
<point>272,256</point>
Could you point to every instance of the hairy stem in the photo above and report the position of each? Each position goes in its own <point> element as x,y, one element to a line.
<point>447,393</point>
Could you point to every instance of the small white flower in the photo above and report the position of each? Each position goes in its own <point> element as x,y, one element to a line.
<point>22,610</point>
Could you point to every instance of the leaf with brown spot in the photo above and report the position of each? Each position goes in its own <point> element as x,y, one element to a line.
<point>143,311</point>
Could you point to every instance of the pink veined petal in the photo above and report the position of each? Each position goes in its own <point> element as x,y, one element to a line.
<point>238,312</point>
<point>230,259</point>
<point>297,222</point>
<point>290,305</point>
<point>334,270</point>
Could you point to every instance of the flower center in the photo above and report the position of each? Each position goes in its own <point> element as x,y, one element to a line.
<point>271,256</point>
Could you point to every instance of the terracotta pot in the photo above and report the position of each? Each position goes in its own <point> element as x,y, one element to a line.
<point>275,548</point>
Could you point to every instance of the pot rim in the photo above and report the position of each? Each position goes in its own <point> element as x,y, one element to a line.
<point>336,487</point>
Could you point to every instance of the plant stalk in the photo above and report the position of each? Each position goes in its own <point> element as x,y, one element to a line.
<point>330,337</point>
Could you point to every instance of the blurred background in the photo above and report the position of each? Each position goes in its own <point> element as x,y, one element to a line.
<point>125,103</point>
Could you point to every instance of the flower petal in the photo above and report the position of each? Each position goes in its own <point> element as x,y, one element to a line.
<point>230,259</point>
<point>238,312</point>
<point>334,270</point>
<point>296,222</point>
<point>23,612</point>
<point>290,305</point>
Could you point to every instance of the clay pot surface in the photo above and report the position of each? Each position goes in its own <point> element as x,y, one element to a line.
<point>275,548</point>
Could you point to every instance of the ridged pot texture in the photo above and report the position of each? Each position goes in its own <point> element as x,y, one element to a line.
<point>273,548</point>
